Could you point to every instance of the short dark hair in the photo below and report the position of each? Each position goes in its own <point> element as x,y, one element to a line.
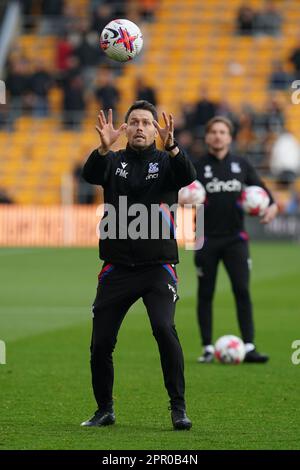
<point>222,119</point>
<point>142,104</point>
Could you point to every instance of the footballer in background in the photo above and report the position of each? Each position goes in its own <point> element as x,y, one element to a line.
<point>223,176</point>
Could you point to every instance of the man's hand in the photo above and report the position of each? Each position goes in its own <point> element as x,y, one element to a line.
<point>270,214</point>
<point>107,133</point>
<point>166,133</point>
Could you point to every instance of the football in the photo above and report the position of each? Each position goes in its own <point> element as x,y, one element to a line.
<point>254,200</point>
<point>194,193</point>
<point>121,40</point>
<point>230,349</point>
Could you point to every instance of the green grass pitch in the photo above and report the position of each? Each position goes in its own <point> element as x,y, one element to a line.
<point>45,391</point>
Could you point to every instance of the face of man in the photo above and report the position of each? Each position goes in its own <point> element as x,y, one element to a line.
<point>140,130</point>
<point>218,138</point>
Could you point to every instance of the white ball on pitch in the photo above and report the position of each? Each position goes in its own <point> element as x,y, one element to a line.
<point>230,349</point>
<point>255,200</point>
<point>194,193</point>
<point>121,40</point>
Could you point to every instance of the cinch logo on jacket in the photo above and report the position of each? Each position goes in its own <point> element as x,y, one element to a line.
<point>218,186</point>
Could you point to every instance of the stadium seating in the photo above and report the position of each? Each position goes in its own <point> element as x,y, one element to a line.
<point>191,44</point>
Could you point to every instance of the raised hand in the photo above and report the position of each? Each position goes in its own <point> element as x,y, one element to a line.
<point>166,133</point>
<point>107,133</point>
<point>270,214</point>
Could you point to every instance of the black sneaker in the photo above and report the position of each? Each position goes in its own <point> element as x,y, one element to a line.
<point>101,418</point>
<point>206,358</point>
<point>255,356</point>
<point>180,420</point>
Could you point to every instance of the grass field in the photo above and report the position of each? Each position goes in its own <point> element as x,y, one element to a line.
<point>45,391</point>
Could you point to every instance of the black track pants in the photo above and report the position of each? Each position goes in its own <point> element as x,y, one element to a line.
<point>118,288</point>
<point>234,253</point>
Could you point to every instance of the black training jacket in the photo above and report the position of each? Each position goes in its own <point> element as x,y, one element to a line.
<point>223,181</point>
<point>147,177</point>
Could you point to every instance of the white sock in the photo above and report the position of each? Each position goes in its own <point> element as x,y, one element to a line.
<point>249,347</point>
<point>209,348</point>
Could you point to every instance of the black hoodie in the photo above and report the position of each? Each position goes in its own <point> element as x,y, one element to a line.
<point>224,181</point>
<point>147,177</point>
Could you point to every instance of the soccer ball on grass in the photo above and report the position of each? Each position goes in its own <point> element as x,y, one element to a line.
<point>230,349</point>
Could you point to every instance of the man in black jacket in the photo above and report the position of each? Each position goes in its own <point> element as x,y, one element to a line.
<point>137,266</point>
<point>223,175</point>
